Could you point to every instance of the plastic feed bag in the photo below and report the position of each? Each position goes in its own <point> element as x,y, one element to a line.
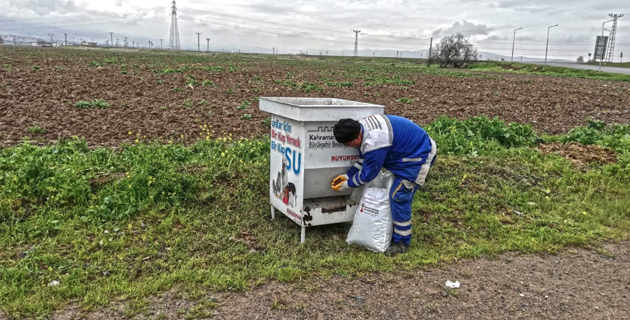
<point>372,226</point>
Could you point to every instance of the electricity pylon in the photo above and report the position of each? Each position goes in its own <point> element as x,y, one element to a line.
<point>173,40</point>
<point>611,40</point>
<point>356,42</point>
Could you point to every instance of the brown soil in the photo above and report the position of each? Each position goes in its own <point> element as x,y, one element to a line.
<point>572,284</point>
<point>39,88</point>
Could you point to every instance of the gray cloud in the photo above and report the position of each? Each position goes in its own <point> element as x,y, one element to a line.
<point>44,7</point>
<point>466,28</point>
<point>494,38</point>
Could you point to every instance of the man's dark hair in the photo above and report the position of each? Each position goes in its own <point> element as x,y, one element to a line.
<point>346,130</point>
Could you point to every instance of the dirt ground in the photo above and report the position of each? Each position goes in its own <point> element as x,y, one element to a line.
<point>571,284</point>
<point>39,89</point>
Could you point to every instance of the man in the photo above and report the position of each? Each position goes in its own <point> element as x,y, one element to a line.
<point>398,145</point>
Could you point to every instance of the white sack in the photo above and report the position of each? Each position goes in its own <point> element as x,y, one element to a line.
<point>372,226</point>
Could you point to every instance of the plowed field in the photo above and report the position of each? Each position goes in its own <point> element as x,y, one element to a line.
<point>157,95</point>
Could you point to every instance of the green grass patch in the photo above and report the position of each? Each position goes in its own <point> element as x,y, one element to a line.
<point>136,221</point>
<point>37,129</point>
<point>522,68</point>
<point>96,103</point>
<point>612,64</point>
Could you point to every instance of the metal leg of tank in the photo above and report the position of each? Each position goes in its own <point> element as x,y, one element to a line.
<point>273,212</point>
<point>303,235</point>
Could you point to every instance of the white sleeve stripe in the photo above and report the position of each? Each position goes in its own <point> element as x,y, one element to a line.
<point>424,170</point>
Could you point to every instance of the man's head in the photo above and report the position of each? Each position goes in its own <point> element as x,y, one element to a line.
<point>348,132</point>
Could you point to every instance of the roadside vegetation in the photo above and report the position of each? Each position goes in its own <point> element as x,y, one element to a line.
<point>93,225</point>
<point>612,64</point>
<point>523,68</point>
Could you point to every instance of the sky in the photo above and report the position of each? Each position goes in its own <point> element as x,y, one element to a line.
<point>320,26</point>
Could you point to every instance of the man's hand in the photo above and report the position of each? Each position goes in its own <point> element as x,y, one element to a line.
<point>340,187</point>
<point>339,179</point>
<point>340,183</point>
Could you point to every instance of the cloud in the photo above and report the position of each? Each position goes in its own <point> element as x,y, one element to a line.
<point>494,38</point>
<point>466,28</point>
<point>43,7</point>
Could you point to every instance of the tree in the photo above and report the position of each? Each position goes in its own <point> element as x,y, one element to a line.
<point>580,59</point>
<point>454,50</point>
<point>1,40</point>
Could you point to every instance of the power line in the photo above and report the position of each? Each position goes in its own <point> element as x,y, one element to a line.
<point>281,26</point>
<point>295,35</point>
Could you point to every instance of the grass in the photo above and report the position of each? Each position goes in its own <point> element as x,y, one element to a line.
<point>522,68</point>
<point>37,129</point>
<point>130,223</point>
<point>97,103</point>
<point>612,64</point>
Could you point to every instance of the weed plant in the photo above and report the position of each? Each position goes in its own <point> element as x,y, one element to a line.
<point>547,70</point>
<point>97,103</point>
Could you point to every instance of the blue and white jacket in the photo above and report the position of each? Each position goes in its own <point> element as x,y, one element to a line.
<point>396,144</point>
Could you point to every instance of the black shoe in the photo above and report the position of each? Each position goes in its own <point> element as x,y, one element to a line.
<point>396,248</point>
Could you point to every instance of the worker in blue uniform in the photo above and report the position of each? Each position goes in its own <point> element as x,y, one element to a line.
<point>398,145</point>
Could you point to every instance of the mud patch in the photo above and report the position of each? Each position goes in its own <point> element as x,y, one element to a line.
<point>580,155</point>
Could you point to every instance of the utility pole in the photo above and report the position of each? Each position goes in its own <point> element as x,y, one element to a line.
<point>111,35</point>
<point>161,43</point>
<point>117,42</point>
<point>514,39</point>
<point>125,42</point>
<point>198,45</point>
<point>65,35</point>
<point>430,49</point>
<point>547,47</point>
<point>356,42</point>
<point>208,48</point>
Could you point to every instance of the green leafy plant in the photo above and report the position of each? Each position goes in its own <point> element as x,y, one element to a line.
<point>97,103</point>
<point>405,100</point>
<point>478,135</point>
<point>191,81</point>
<point>37,129</point>
<point>244,105</point>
